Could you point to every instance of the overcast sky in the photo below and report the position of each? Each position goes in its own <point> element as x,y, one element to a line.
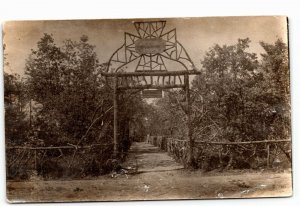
<point>197,35</point>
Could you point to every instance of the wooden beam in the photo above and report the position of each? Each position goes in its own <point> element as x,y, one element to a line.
<point>150,87</point>
<point>189,125</point>
<point>150,73</point>
<point>116,142</point>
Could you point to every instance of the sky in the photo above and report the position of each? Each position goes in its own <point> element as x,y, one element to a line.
<point>197,35</point>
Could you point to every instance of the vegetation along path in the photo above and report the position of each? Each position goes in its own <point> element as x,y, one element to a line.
<point>151,174</point>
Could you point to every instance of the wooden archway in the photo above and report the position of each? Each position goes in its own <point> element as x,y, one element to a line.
<point>145,53</point>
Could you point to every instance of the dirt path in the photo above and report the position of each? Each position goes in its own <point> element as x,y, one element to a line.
<point>158,177</point>
<point>147,158</point>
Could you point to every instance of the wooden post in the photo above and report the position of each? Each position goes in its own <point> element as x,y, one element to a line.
<point>116,142</point>
<point>30,114</point>
<point>267,146</point>
<point>190,134</point>
<point>268,155</point>
<point>35,160</point>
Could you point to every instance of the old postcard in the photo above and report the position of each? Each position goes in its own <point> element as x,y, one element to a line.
<point>147,109</point>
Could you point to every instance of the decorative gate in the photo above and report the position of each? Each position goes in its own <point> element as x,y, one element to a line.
<point>142,62</point>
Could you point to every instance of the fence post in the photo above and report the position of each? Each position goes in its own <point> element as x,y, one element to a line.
<point>35,160</point>
<point>268,155</point>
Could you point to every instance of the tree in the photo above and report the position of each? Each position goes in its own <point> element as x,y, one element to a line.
<point>276,91</point>
<point>77,103</point>
<point>66,82</point>
<point>16,120</point>
<point>275,63</point>
<point>235,98</point>
<point>16,124</point>
<point>227,85</point>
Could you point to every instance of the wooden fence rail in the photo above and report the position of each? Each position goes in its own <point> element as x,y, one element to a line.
<point>56,161</point>
<point>178,147</point>
<point>248,142</point>
<point>57,147</point>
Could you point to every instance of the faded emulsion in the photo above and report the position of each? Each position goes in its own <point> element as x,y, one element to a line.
<point>147,109</point>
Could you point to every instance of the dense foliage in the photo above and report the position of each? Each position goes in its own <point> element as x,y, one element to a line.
<point>70,102</point>
<point>15,116</point>
<point>238,97</point>
<point>64,100</point>
<point>77,104</point>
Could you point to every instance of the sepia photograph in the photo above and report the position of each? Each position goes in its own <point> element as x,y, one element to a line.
<point>147,109</point>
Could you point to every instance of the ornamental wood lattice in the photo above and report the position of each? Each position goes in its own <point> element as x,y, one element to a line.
<point>140,63</point>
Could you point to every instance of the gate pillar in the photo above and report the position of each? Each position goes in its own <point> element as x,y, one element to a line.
<point>191,161</point>
<point>116,139</point>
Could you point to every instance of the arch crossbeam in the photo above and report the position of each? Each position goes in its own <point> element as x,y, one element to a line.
<point>154,79</point>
